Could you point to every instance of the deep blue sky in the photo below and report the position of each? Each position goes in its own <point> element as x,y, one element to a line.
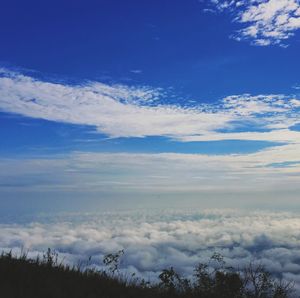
<point>173,43</point>
<point>168,44</point>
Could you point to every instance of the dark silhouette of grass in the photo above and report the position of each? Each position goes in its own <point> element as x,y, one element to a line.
<point>45,277</point>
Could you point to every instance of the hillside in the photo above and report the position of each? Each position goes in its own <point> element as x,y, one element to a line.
<point>21,277</point>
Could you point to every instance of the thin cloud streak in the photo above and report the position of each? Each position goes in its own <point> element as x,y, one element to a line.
<point>273,169</point>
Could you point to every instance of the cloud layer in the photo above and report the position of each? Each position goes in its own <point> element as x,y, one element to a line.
<point>265,22</point>
<point>155,240</point>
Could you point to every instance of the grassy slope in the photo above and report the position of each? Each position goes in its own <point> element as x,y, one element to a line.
<point>22,278</point>
<point>45,278</point>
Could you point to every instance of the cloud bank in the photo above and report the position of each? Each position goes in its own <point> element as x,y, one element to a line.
<point>265,22</point>
<point>156,240</point>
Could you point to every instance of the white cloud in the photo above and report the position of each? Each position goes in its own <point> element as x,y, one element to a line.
<point>121,111</point>
<point>266,21</point>
<point>156,240</point>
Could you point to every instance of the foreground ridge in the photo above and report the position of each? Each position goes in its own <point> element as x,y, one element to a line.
<point>22,277</point>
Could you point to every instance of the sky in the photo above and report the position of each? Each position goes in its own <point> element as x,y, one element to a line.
<point>123,104</point>
<point>167,128</point>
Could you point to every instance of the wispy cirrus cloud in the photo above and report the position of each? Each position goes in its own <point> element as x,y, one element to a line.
<point>122,111</point>
<point>265,22</point>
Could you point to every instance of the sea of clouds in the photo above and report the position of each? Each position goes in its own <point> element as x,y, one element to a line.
<point>153,240</point>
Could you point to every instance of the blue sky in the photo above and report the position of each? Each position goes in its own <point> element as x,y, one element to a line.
<point>113,99</point>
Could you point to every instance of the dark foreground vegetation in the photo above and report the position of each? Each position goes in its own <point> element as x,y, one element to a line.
<point>45,277</point>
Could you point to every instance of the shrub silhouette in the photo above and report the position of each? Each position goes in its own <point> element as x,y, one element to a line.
<point>112,261</point>
<point>21,277</point>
